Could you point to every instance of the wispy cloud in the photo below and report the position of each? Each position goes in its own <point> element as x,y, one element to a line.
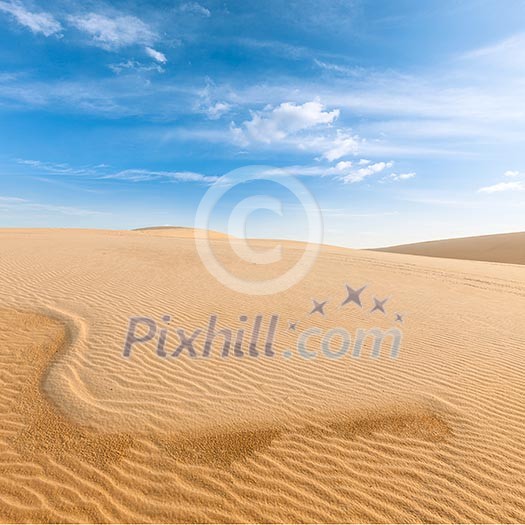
<point>360,174</point>
<point>514,185</point>
<point>338,68</point>
<point>195,8</point>
<point>396,177</point>
<point>54,167</point>
<point>343,144</point>
<point>276,47</point>
<point>156,55</point>
<point>345,170</point>
<point>209,105</point>
<point>216,110</point>
<point>113,33</point>
<point>134,65</point>
<point>110,32</point>
<point>504,186</point>
<point>141,175</point>
<point>509,52</point>
<point>10,200</point>
<point>37,22</point>
<point>104,172</point>
<point>514,173</point>
<point>10,204</point>
<point>111,97</point>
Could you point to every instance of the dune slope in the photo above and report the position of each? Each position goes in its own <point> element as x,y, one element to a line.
<point>89,435</point>
<point>502,248</point>
<point>180,231</point>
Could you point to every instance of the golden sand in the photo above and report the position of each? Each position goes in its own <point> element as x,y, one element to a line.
<point>436,435</point>
<point>504,248</point>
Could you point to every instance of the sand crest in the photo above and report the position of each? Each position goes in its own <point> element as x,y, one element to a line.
<point>504,248</point>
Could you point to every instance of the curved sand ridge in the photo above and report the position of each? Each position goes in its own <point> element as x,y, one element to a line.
<point>503,248</point>
<point>43,440</point>
<point>435,435</point>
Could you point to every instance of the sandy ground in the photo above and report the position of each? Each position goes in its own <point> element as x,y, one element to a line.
<point>436,435</point>
<point>504,248</point>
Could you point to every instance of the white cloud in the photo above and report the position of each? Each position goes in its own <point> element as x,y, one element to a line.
<point>401,176</point>
<point>156,55</point>
<point>102,171</point>
<point>210,105</point>
<point>142,175</point>
<point>518,185</point>
<point>195,8</point>
<point>362,173</point>
<point>343,145</point>
<point>217,110</point>
<point>344,171</point>
<point>276,124</point>
<point>514,173</point>
<point>307,127</point>
<point>504,186</point>
<point>113,33</point>
<point>337,68</point>
<point>41,22</point>
<point>340,167</point>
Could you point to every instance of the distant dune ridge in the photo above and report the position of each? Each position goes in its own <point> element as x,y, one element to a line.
<point>502,248</point>
<point>181,231</point>
<point>87,435</point>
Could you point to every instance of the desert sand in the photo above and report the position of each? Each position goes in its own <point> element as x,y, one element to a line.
<point>87,435</point>
<point>181,232</point>
<point>504,248</point>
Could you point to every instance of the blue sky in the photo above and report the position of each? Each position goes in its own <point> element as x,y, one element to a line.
<point>405,119</point>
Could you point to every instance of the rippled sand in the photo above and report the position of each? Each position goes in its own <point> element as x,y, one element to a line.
<point>436,435</point>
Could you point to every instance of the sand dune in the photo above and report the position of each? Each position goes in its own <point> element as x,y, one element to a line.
<point>436,435</point>
<point>502,248</point>
<point>181,231</point>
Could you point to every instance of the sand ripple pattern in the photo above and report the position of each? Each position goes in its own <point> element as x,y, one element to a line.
<point>436,435</point>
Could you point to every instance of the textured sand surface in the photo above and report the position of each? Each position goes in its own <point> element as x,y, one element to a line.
<point>502,248</point>
<point>86,435</point>
<point>181,231</point>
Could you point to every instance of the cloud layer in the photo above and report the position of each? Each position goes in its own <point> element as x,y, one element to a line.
<point>109,32</point>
